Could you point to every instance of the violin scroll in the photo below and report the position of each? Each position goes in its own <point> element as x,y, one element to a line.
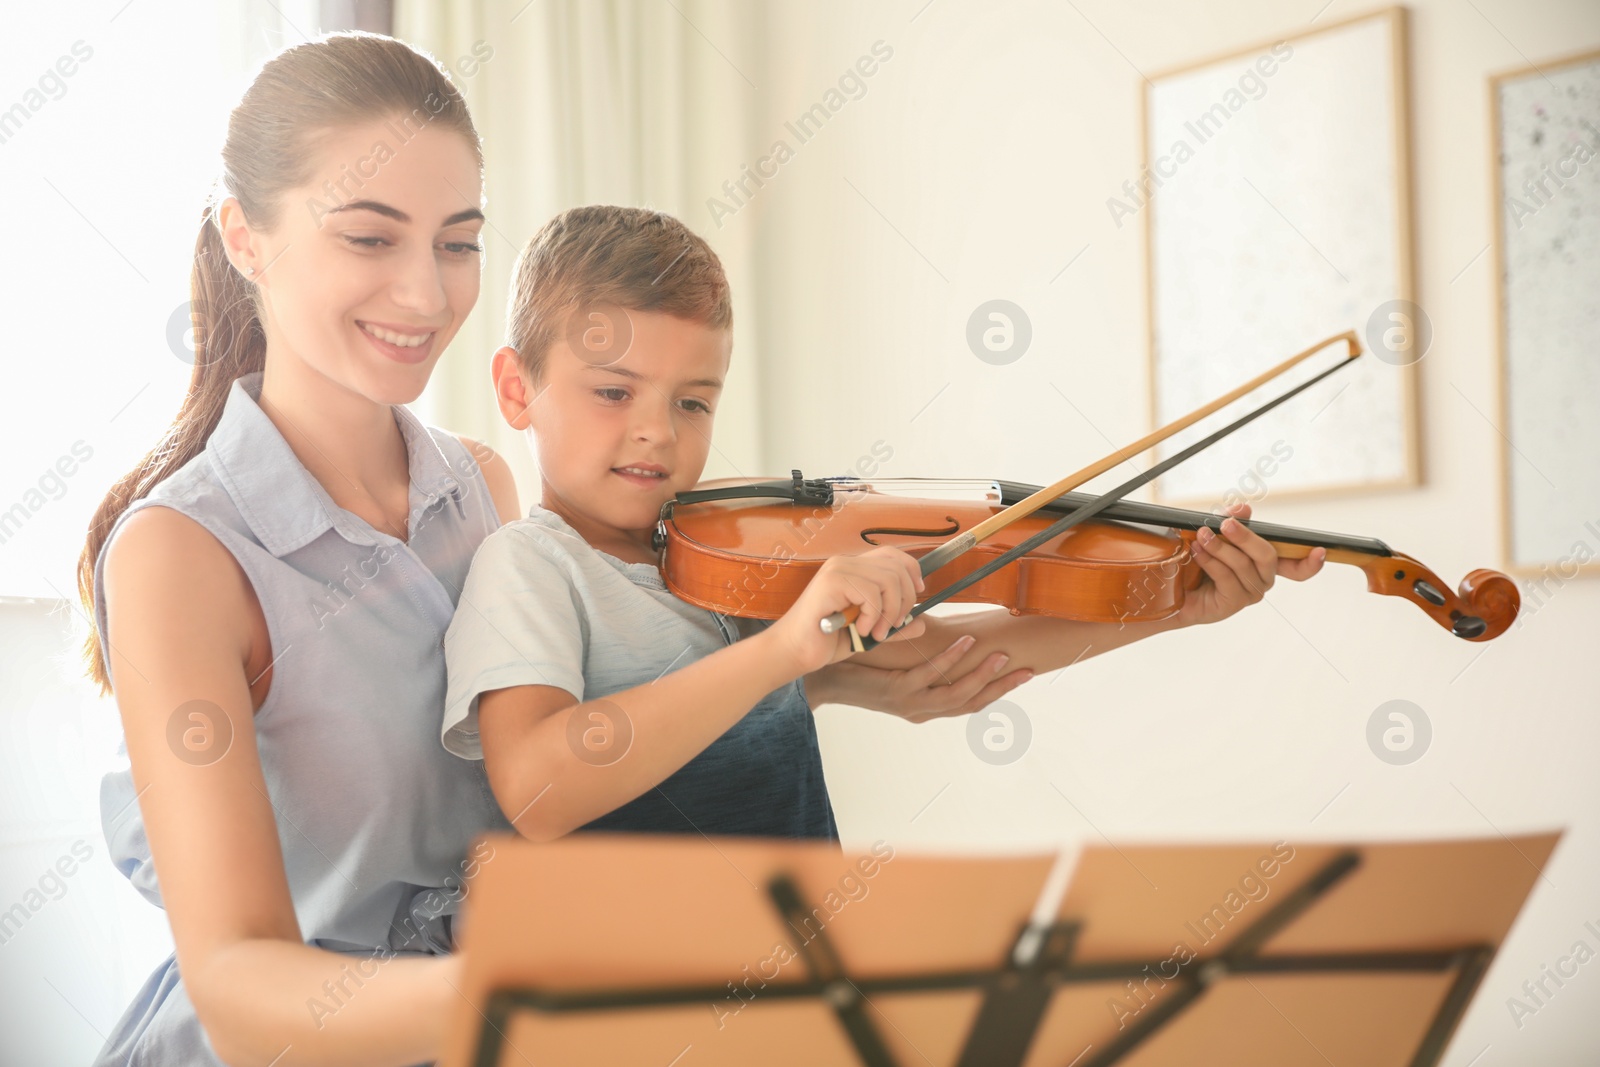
<point>1494,598</point>
<point>1482,610</point>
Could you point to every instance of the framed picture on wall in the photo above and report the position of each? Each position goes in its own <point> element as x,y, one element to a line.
<point>1276,201</point>
<point>1545,135</point>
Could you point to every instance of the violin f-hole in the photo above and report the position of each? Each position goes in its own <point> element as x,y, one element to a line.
<point>948,531</point>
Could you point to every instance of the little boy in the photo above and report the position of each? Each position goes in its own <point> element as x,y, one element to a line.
<point>596,698</point>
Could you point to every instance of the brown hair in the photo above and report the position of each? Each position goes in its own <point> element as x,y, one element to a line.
<point>299,97</point>
<point>627,257</point>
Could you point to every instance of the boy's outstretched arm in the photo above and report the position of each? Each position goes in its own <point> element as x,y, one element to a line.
<point>549,781</point>
<point>555,764</point>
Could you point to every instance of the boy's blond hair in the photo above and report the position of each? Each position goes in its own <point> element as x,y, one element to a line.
<point>626,257</point>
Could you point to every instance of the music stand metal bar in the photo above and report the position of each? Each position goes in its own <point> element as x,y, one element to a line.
<point>1475,962</point>
<point>822,961</point>
<point>1016,999</point>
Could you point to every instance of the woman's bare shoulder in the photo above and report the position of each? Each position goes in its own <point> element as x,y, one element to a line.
<point>156,534</point>
<point>167,569</point>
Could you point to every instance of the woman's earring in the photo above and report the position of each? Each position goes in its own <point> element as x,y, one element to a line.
<point>251,271</point>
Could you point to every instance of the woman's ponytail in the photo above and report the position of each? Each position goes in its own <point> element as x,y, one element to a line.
<point>228,344</point>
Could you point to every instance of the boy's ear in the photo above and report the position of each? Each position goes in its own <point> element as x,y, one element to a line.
<point>513,392</point>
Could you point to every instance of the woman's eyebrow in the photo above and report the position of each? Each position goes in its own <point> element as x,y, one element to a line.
<point>395,213</point>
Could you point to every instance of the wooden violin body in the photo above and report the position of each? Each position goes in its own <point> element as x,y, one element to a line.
<point>748,549</point>
<point>752,558</point>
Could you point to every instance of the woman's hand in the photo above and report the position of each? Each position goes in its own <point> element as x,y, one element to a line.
<point>927,691</point>
<point>1240,567</point>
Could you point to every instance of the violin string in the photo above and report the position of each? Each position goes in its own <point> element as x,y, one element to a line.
<point>1100,503</point>
<point>1133,511</point>
<point>1159,515</point>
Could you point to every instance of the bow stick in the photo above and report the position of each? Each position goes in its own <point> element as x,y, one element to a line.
<point>964,542</point>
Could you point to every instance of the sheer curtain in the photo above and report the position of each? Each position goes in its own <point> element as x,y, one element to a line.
<point>596,101</point>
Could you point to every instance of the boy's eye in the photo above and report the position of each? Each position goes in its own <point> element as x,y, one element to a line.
<point>612,393</point>
<point>699,407</point>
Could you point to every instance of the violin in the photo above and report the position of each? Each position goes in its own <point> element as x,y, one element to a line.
<point>748,549</point>
<point>1041,551</point>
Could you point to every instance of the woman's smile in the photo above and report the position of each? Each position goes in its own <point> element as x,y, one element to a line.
<point>401,346</point>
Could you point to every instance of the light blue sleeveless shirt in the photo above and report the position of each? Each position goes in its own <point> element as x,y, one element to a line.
<point>374,817</point>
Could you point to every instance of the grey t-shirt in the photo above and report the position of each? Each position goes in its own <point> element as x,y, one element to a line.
<point>542,607</point>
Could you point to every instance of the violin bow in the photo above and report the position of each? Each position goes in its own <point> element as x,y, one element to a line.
<point>964,542</point>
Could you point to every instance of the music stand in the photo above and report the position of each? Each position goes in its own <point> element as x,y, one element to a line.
<point>658,950</point>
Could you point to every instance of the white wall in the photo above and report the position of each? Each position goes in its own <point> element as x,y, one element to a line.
<point>984,151</point>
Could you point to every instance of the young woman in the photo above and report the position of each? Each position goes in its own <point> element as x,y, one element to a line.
<point>272,584</point>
